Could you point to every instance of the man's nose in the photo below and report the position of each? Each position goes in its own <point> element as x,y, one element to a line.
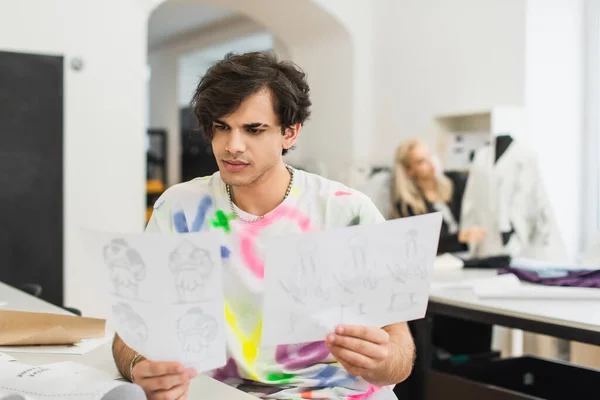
<point>236,143</point>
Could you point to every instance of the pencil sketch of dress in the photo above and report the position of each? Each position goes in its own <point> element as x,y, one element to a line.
<point>304,284</point>
<point>192,269</point>
<point>356,281</point>
<point>196,331</point>
<point>127,268</point>
<point>407,269</point>
<point>129,325</point>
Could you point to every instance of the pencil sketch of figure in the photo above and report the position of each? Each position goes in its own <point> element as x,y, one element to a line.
<point>409,267</point>
<point>127,268</point>
<point>357,280</point>
<point>414,257</point>
<point>366,278</point>
<point>129,324</point>
<point>305,283</point>
<point>192,268</point>
<point>196,331</point>
<point>403,301</point>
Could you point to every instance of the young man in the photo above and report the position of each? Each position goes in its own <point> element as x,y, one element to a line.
<point>251,107</point>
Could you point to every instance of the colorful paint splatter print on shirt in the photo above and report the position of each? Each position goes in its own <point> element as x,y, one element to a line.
<point>302,371</point>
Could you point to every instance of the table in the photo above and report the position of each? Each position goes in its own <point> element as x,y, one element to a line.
<point>574,320</point>
<point>101,358</point>
<point>577,320</point>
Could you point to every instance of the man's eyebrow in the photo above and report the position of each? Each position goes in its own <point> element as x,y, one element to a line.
<point>256,125</point>
<point>219,122</point>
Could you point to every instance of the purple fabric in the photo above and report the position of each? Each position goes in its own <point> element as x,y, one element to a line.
<point>557,277</point>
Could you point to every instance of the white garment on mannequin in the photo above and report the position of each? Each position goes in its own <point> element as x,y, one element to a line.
<point>509,194</point>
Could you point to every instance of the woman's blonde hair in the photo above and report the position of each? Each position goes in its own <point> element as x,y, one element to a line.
<point>407,190</point>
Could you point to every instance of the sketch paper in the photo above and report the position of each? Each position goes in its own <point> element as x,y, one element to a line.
<point>63,380</point>
<point>370,275</point>
<point>82,347</point>
<point>166,294</point>
<point>538,292</point>
<point>6,358</point>
<point>448,262</point>
<point>502,282</point>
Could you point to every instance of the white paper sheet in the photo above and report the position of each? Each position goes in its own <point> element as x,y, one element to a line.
<point>448,262</point>
<point>62,380</point>
<point>370,275</point>
<point>83,347</point>
<point>77,370</point>
<point>166,294</point>
<point>502,282</point>
<point>538,292</point>
<point>6,357</point>
<point>536,265</point>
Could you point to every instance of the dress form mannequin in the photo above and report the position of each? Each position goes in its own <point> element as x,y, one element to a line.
<point>502,143</point>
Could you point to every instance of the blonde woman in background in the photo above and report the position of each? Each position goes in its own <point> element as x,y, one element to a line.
<point>420,189</point>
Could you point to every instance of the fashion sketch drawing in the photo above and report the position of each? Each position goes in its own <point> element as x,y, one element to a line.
<point>192,269</point>
<point>127,268</point>
<point>196,331</point>
<point>304,283</point>
<point>357,279</point>
<point>407,269</point>
<point>130,326</point>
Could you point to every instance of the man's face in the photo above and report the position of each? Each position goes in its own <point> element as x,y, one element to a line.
<point>248,142</point>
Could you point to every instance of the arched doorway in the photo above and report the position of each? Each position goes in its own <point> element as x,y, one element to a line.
<point>322,47</point>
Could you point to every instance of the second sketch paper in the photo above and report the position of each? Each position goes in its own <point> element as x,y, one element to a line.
<point>165,291</point>
<point>65,380</point>
<point>370,275</point>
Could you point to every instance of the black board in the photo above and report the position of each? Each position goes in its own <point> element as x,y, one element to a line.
<point>31,172</point>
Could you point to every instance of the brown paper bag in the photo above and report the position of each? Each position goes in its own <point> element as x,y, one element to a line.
<point>21,328</point>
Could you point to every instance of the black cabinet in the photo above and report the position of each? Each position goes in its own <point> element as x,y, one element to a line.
<point>197,158</point>
<point>31,172</point>
<point>525,377</point>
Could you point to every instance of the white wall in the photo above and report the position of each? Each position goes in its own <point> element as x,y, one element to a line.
<point>554,104</point>
<point>591,135</point>
<point>104,141</point>
<point>358,19</point>
<point>441,57</point>
<point>328,136</point>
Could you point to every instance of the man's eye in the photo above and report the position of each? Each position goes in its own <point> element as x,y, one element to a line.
<point>220,127</point>
<point>254,131</point>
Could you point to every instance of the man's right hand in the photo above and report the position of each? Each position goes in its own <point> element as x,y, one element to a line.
<point>163,380</point>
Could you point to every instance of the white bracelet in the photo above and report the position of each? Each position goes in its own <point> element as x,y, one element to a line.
<point>131,366</point>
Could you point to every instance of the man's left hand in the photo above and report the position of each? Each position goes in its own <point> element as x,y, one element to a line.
<point>362,350</point>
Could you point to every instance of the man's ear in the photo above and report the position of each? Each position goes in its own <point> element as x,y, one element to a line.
<point>290,135</point>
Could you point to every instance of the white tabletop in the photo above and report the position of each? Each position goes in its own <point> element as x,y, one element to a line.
<point>100,358</point>
<point>578,314</point>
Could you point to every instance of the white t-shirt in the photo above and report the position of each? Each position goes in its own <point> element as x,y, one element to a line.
<point>283,372</point>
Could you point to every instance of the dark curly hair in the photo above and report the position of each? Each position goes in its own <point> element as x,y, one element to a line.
<point>230,81</point>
